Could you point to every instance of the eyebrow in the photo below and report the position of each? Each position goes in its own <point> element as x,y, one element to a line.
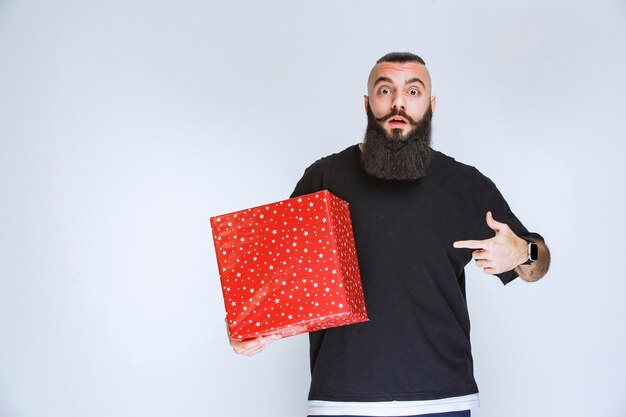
<point>389,80</point>
<point>381,79</point>
<point>415,79</point>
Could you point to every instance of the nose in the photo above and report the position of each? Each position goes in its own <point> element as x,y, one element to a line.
<point>398,102</point>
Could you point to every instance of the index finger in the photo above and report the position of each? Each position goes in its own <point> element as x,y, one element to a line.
<point>469,244</point>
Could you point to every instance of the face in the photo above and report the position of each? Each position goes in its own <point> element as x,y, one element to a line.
<point>399,94</point>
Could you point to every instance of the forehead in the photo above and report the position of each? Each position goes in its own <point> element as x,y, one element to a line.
<point>399,73</point>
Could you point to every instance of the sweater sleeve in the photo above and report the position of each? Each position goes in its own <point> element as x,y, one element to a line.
<point>502,213</point>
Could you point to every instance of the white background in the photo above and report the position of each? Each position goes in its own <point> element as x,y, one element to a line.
<point>125,125</point>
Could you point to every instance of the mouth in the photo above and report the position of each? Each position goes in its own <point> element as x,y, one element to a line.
<point>397,122</point>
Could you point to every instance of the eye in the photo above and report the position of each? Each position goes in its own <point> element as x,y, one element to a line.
<point>414,92</point>
<point>384,90</point>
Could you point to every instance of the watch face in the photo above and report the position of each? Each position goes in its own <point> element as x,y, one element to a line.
<point>534,251</point>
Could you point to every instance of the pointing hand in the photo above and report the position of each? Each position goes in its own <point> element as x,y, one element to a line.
<point>500,253</point>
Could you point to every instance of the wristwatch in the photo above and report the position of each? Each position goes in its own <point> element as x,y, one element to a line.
<point>533,252</point>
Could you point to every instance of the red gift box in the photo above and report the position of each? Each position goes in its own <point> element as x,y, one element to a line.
<point>289,267</point>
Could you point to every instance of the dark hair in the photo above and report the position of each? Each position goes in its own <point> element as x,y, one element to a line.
<point>401,57</point>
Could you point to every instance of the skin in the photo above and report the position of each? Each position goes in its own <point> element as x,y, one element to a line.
<point>393,86</point>
<point>251,347</point>
<point>407,87</point>
<point>506,251</point>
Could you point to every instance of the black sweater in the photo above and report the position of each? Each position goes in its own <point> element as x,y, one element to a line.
<point>416,345</point>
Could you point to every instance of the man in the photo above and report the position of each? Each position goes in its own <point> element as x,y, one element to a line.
<point>418,218</point>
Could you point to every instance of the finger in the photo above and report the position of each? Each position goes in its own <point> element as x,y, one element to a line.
<point>489,270</point>
<point>253,346</point>
<point>262,345</point>
<point>479,254</point>
<point>493,224</point>
<point>258,349</point>
<point>469,244</point>
<point>251,352</point>
<point>240,346</point>
<point>246,348</point>
<point>482,263</point>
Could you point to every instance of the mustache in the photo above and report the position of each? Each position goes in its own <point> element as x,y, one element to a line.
<point>397,112</point>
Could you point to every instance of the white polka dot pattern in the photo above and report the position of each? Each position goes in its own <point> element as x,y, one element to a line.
<point>289,267</point>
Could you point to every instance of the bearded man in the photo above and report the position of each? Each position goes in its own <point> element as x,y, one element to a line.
<point>412,210</point>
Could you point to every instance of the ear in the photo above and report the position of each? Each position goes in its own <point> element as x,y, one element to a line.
<point>433,103</point>
<point>366,102</point>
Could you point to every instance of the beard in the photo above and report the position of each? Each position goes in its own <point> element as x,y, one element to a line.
<point>392,156</point>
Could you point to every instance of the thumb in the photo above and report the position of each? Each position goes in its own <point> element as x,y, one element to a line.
<point>494,225</point>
